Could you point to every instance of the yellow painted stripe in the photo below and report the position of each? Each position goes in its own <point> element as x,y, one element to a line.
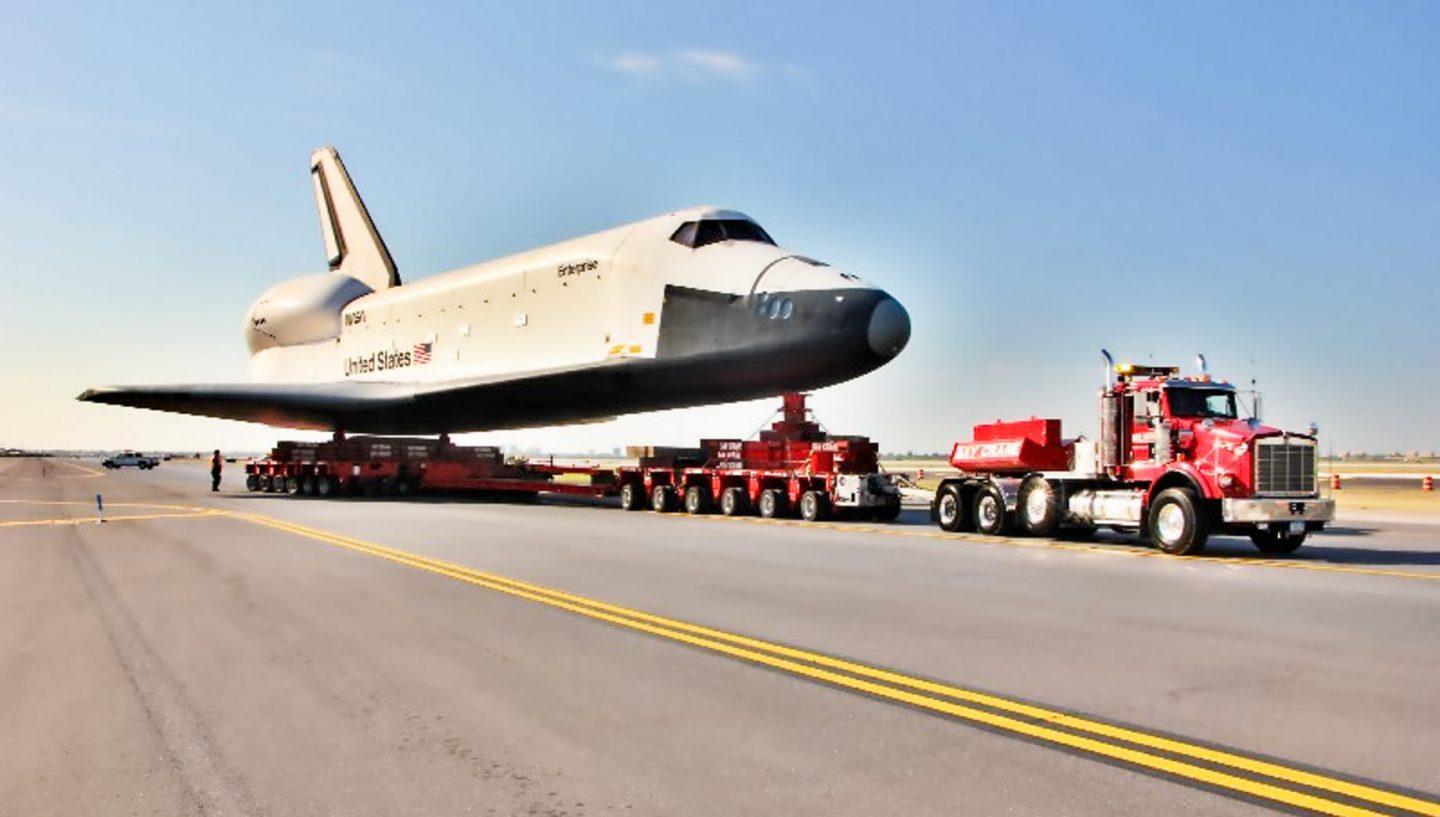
<point>90,520</point>
<point>908,690</point>
<point>89,471</point>
<point>1079,547</point>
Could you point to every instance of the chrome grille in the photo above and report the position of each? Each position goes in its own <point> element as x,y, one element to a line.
<point>1284,466</point>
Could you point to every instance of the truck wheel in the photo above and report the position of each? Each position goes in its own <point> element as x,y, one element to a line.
<point>630,496</point>
<point>991,518</point>
<point>814,506</point>
<point>772,503</point>
<point>252,482</point>
<point>405,486</point>
<point>697,500</point>
<point>325,486</point>
<point>734,502</point>
<point>662,499</point>
<point>1271,542</point>
<point>1176,524</point>
<point>1039,507</point>
<point>307,486</point>
<point>950,509</point>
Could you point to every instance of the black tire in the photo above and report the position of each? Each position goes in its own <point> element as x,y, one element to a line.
<point>773,503</point>
<point>307,485</point>
<point>1176,522</point>
<point>734,502</point>
<point>1274,544</point>
<point>267,483</point>
<point>988,511</point>
<point>814,506</point>
<point>1039,508</point>
<point>662,499</point>
<point>325,486</point>
<point>890,511</point>
<point>632,496</point>
<point>950,510</point>
<point>697,500</point>
<point>406,486</point>
<point>252,482</point>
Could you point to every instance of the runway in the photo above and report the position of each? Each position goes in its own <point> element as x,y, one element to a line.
<point>257,654</point>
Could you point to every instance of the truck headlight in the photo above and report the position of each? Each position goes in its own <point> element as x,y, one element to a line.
<point>1226,480</point>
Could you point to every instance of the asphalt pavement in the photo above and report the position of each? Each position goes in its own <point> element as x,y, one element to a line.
<point>252,654</point>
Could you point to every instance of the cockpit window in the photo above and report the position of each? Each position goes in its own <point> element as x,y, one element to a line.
<point>1215,403</point>
<point>697,234</point>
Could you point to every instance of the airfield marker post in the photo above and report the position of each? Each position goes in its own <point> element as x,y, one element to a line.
<point>99,509</point>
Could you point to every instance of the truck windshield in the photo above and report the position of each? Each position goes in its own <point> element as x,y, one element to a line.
<point>1216,403</point>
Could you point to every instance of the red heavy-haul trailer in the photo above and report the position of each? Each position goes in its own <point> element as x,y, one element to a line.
<point>795,466</point>
<point>1174,460</point>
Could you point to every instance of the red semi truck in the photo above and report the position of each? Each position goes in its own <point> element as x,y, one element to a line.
<point>794,468</point>
<point>1174,460</point>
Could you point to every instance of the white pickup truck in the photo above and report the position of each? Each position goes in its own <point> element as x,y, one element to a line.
<point>127,458</point>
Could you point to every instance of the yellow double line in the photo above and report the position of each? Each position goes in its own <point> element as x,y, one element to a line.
<point>1215,768</point>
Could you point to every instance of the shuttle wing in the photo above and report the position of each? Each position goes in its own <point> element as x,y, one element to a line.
<point>320,406</point>
<point>477,404</point>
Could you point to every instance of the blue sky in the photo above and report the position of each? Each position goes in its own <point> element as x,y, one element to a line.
<point>1033,181</point>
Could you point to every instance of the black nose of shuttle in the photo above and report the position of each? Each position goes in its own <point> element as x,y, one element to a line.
<point>889,328</point>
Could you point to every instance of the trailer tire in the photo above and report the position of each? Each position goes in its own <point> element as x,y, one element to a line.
<point>1272,543</point>
<point>662,499</point>
<point>698,500</point>
<point>252,482</point>
<point>324,486</point>
<point>890,511</point>
<point>1176,522</point>
<point>405,486</point>
<point>630,496</point>
<point>734,502</point>
<point>773,503</point>
<point>307,485</point>
<point>950,509</point>
<point>989,514</point>
<point>814,506</point>
<point>1039,507</point>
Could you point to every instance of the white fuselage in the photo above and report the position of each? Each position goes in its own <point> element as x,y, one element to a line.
<point>569,305</point>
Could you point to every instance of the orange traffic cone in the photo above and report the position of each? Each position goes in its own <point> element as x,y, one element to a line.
<point>1427,484</point>
<point>1334,482</point>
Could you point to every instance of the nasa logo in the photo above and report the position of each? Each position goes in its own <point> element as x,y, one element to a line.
<point>576,268</point>
<point>352,318</point>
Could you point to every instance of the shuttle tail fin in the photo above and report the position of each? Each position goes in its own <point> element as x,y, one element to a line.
<point>352,244</point>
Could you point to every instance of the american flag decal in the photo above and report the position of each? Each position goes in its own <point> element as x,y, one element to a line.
<point>421,354</point>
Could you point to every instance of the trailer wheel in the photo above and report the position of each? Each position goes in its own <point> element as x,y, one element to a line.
<point>991,518</point>
<point>697,500</point>
<point>950,509</point>
<point>772,503</point>
<point>406,486</point>
<point>307,485</point>
<point>1271,542</point>
<point>1039,507</point>
<point>890,511</point>
<point>734,502</point>
<point>814,506</point>
<point>630,496</point>
<point>1176,524</point>
<point>252,482</point>
<point>662,499</point>
<point>325,486</point>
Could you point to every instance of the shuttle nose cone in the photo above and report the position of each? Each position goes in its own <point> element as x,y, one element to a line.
<point>889,329</point>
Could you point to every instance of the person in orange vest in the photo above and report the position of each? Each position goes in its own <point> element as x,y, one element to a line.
<point>216,463</point>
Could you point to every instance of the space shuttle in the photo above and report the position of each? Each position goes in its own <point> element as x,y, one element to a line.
<point>694,307</point>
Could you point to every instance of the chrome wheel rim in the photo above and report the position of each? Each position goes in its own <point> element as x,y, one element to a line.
<point>949,509</point>
<point>989,513</point>
<point>1036,503</point>
<point>1170,523</point>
